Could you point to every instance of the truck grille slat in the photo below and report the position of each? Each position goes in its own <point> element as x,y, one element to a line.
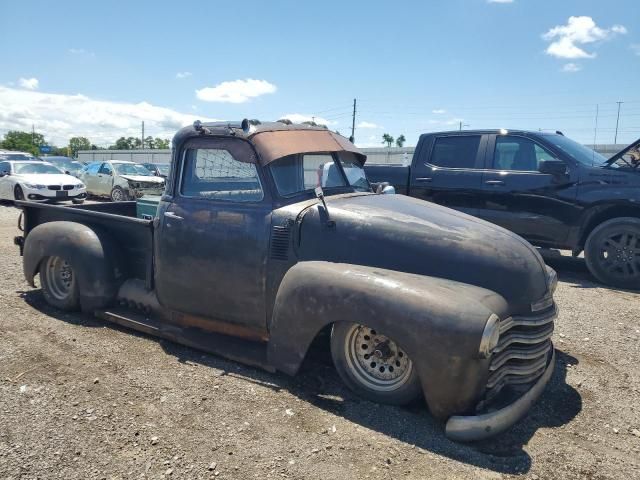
<point>523,350</point>
<point>280,242</point>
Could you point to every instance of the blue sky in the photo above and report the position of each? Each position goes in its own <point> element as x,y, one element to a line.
<point>98,69</point>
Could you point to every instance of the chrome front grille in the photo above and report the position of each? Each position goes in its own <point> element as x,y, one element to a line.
<point>522,352</point>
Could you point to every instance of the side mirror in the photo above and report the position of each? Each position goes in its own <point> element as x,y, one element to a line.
<point>552,167</point>
<point>67,172</point>
<point>385,189</point>
<point>3,174</point>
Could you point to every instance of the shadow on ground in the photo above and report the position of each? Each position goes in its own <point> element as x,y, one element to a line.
<point>319,385</point>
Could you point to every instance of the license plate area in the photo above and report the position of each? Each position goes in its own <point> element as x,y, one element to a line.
<point>62,193</point>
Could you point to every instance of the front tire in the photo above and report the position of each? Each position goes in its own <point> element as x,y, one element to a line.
<point>18,193</point>
<point>77,201</point>
<point>118,194</point>
<point>612,252</point>
<point>373,365</point>
<point>59,284</point>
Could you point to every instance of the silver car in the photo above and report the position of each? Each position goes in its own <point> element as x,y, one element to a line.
<point>120,180</point>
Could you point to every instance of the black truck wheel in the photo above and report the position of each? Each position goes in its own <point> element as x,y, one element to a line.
<point>373,365</point>
<point>59,284</point>
<point>18,193</point>
<point>612,252</point>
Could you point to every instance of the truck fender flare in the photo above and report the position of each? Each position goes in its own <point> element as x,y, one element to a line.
<point>438,322</point>
<point>92,253</point>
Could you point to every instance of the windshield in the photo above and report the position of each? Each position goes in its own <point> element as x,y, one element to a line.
<point>131,169</point>
<point>305,171</point>
<point>17,156</point>
<point>163,169</point>
<point>38,168</point>
<point>575,150</point>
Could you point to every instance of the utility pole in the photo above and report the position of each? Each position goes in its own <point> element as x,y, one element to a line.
<point>142,144</point>
<point>463,125</point>
<point>353,123</point>
<point>615,140</point>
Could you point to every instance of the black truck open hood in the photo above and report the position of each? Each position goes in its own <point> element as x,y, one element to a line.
<point>405,234</point>
<point>635,146</point>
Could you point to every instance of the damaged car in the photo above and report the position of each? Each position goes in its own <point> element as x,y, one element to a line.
<point>120,180</point>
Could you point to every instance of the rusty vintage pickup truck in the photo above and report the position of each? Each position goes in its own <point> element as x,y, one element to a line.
<point>266,236</point>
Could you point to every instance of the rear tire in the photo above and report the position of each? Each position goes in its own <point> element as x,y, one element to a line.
<point>18,193</point>
<point>373,365</point>
<point>118,194</point>
<point>59,284</point>
<point>77,201</point>
<point>612,252</point>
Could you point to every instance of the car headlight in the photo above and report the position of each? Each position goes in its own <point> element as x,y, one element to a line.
<point>546,301</point>
<point>35,186</point>
<point>80,185</point>
<point>490,336</point>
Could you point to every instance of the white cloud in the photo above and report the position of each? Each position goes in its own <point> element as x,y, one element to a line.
<point>368,125</point>
<point>303,117</point>
<point>439,111</point>
<point>29,83</point>
<point>182,75</point>
<point>60,116</point>
<point>566,40</point>
<point>81,51</point>
<point>236,91</point>
<point>499,1</point>
<point>571,67</point>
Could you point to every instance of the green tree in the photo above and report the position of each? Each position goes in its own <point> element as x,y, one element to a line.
<point>400,141</point>
<point>162,143</point>
<point>128,143</point>
<point>388,139</point>
<point>286,121</point>
<point>78,143</point>
<point>23,141</point>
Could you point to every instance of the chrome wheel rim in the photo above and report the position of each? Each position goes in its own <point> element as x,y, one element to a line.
<point>117,195</point>
<point>59,277</point>
<point>619,254</point>
<point>376,360</point>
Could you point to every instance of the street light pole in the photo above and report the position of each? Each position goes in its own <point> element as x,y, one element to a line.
<point>615,139</point>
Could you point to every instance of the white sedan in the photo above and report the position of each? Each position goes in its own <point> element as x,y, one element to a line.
<point>38,181</point>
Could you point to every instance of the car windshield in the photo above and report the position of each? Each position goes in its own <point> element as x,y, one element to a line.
<point>17,156</point>
<point>305,171</point>
<point>163,169</point>
<point>38,168</point>
<point>577,151</point>
<point>131,169</point>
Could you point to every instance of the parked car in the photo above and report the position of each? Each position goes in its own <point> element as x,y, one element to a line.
<point>38,181</point>
<point>545,187</point>
<point>252,254</point>
<point>120,180</point>
<point>158,169</point>
<point>66,164</point>
<point>11,155</point>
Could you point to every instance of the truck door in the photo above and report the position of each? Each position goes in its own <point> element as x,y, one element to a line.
<point>448,171</point>
<point>211,247</point>
<point>517,195</point>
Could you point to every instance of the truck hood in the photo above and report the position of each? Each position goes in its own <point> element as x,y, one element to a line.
<point>143,178</point>
<point>405,234</point>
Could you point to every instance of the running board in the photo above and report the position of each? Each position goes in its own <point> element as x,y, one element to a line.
<point>233,348</point>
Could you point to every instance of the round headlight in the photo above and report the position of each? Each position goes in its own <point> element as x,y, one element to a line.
<point>490,336</point>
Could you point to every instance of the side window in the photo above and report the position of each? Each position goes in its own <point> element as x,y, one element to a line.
<point>518,153</point>
<point>216,174</point>
<point>105,169</point>
<point>455,152</point>
<point>5,167</point>
<point>92,169</point>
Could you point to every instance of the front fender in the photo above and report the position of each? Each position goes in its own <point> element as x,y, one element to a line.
<point>438,322</point>
<point>92,253</point>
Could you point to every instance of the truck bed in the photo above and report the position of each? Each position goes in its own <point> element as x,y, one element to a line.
<point>134,235</point>
<point>396,175</point>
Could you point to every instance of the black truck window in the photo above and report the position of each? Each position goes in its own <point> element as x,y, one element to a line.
<point>216,174</point>
<point>518,153</point>
<point>300,172</point>
<point>455,152</point>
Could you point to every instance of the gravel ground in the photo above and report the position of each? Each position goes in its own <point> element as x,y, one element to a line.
<point>80,398</point>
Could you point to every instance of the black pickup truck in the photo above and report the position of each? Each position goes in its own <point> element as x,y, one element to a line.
<point>266,236</point>
<point>549,189</point>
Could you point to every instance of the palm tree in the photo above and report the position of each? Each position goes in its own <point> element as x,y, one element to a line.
<point>400,141</point>
<point>388,139</point>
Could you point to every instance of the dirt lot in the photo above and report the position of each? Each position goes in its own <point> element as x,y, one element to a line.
<point>80,398</point>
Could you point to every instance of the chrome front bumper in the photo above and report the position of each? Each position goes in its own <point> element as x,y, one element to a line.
<point>479,427</point>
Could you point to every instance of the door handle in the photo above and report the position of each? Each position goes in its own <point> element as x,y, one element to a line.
<point>494,182</point>
<point>424,179</point>
<point>173,216</point>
